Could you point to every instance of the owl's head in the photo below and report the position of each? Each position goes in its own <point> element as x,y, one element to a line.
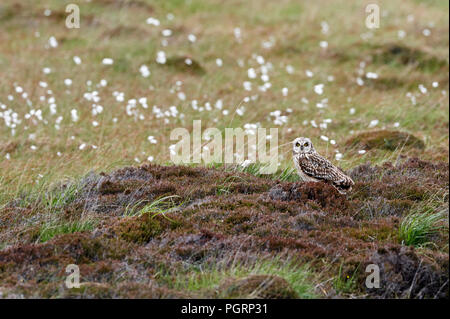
<point>302,145</point>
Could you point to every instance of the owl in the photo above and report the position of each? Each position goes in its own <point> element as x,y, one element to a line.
<point>311,167</point>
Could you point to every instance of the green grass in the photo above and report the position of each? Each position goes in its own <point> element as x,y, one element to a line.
<point>299,277</point>
<point>284,174</point>
<point>345,284</point>
<point>159,206</point>
<point>60,197</point>
<point>52,229</point>
<point>418,228</point>
<point>224,188</point>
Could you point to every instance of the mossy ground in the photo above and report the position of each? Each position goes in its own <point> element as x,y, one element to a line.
<point>212,244</point>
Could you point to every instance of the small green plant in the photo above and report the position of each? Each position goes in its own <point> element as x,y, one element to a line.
<point>60,197</point>
<point>50,230</point>
<point>288,174</point>
<point>417,228</point>
<point>345,284</point>
<point>224,188</point>
<point>252,168</point>
<point>160,206</point>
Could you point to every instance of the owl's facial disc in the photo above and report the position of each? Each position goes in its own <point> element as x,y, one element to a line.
<point>302,145</point>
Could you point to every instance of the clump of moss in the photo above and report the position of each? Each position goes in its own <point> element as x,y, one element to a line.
<point>185,64</point>
<point>384,139</point>
<point>383,84</point>
<point>401,55</point>
<point>141,229</point>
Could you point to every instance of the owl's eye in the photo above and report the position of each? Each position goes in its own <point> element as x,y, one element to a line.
<point>306,144</point>
<point>297,144</point>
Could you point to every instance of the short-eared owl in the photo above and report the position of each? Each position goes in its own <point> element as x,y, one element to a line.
<point>312,167</point>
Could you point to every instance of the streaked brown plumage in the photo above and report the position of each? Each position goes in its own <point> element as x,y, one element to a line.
<point>313,167</point>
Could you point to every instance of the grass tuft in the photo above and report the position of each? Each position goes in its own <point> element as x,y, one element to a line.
<point>50,230</point>
<point>345,284</point>
<point>418,228</point>
<point>160,206</point>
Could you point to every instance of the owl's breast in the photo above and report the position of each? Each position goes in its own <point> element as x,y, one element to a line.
<point>300,172</point>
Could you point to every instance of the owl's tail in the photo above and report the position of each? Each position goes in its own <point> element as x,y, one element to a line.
<point>344,185</point>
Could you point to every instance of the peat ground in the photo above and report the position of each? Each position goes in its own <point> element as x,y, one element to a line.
<point>176,231</point>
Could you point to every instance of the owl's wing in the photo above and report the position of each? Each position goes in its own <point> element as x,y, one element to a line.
<point>320,168</point>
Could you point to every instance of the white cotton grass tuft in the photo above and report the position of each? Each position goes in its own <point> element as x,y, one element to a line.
<point>319,89</point>
<point>373,123</point>
<point>152,139</point>
<point>166,32</point>
<point>144,70</point>
<point>161,57</point>
<point>237,33</point>
<point>290,69</point>
<point>53,42</point>
<point>108,61</point>
<point>422,89</point>
<point>74,115</point>
<point>192,38</point>
<point>325,27</point>
<point>77,60</point>
<point>152,21</point>
<point>251,73</point>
